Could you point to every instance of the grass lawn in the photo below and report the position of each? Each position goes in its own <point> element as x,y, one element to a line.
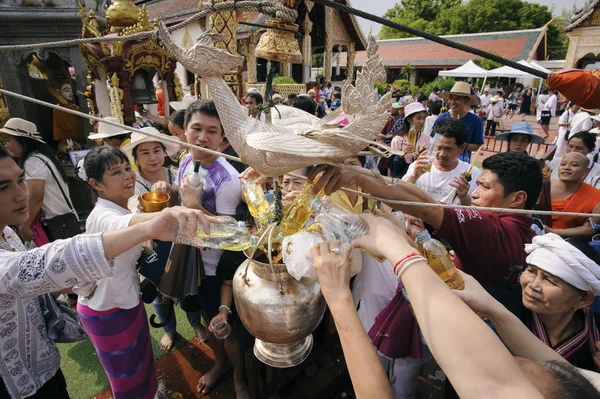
<point>83,372</point>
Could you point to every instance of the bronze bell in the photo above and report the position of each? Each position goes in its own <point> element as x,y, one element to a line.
<point>279,45</point>
<point>141,88</point>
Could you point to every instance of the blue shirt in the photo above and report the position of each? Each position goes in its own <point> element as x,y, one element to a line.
<point>474,125</point>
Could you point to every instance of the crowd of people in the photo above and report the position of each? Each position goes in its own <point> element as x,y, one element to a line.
<point>523,326</point>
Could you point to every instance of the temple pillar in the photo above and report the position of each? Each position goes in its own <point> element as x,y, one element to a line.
<point>224,23</point>
<point>350,62</point>
<point>327,58</point>
<point>249,48</point>
<point>285,69</point>
<point>306,47</point>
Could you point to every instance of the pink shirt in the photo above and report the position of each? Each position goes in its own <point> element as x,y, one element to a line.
<point>400,142</point>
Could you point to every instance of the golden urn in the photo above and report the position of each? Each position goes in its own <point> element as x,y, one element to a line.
<point>122,14</point>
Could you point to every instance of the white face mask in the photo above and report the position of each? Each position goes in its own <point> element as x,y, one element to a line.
<point>67,92</point>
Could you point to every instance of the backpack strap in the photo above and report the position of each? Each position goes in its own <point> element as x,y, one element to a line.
<point>67,199</point>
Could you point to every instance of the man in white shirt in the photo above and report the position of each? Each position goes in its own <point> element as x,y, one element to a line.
<point>434,96</point>
<point>446,181</point>
<point>485,99</point>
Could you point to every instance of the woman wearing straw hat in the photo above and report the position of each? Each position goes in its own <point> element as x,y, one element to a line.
<point>460,100</point>
<point>45,177</point>
<point>149,154</point>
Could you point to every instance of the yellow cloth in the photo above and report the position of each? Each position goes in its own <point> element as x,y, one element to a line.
<point>134,167</point>
<point>67,126</point>
<point>340,198</point>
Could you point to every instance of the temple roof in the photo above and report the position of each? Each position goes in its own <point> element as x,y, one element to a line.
<point>578,15</point>
<point>418,52</point>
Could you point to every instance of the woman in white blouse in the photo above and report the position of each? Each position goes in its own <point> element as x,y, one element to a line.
<point>31,362</point>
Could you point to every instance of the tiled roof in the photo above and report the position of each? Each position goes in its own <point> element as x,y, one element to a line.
<point>580,15</point>
<point>169,10</point>
<point>418,52</point>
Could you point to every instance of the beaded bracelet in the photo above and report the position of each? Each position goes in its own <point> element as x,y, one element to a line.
<point>226,307</point>
<point>407,263</point>
<point>411,255</point>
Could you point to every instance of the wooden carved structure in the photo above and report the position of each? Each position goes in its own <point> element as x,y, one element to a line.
<point>118,70</point>
<point>583,28</point>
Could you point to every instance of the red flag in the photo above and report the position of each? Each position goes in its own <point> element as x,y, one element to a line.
<point>577,85</point>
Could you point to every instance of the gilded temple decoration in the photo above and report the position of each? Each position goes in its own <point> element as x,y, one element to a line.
<point>118,60</point>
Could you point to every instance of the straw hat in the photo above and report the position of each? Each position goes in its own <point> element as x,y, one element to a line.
<point>139,138</point>
<point>486,88</point>
<point>413,108</point>
<point>21,128</point>
<point>105,130</point>
<point>461,89</point>
<point>184,104</point>
<point>495,99</point>
<point>521,128</point>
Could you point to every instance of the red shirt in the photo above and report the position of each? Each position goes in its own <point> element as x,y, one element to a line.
<point>489,246</point>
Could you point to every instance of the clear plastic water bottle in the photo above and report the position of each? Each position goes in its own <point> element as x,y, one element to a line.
<point>338,223</point>
<point>231,235</point>
<point>439,260</point>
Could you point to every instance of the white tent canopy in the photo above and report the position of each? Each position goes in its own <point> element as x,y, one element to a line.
<point>469,70</point>
<point>508,72</point>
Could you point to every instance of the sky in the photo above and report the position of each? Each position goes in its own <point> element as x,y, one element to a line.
<point>379,7</point>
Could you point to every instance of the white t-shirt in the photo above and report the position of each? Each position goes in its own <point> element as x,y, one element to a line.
<point>429,122</point>
<point>54,203</point>
<point>221,194</point>
<point>434,97</point>
<point>122,290</point>
<point>437,183</point>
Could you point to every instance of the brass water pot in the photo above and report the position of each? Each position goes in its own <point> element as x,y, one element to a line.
<point>279,311</point>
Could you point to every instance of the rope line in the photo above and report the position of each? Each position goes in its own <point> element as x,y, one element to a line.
<point>266,7</point>
<point>432,37</point>
<point>170,139</point>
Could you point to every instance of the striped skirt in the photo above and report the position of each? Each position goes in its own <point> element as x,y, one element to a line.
<point>122,341</point>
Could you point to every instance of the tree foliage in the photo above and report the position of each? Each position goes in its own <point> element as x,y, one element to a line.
<point>448,17</point>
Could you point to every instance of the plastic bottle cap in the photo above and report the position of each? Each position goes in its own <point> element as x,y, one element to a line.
<point>422,236</point>
<point>196,166</point>
<point>315,203</point>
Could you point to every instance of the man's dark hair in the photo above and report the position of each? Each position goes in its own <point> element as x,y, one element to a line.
<point>435,88</point>
<point>178,118</point>
<point>305,103</point>
<point>517,172</point>
<point>256,96</point>
<point>452,128</point>
<point>589,139</point>
<point>336,94</point>
<point>291,96</point>
<point>570,383</point>
<point>422,97</point>
<point>435,107</point>
<point>206,107</point>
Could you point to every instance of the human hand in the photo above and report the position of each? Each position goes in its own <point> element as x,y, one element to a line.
<point>399,223</point>
<point>26,233</point>
<point>475,296</point>
<point>332,179</point>
<point>333,270</point>
<point>161,187</point>
<point>461,186</point>
<point>383,232</point>
<point>548,229</point>
<point>409,149</point>
<point>163,226</point>
<point>221,317</point>
<point>251,174</point>
<point>190,195</point>
<point>421,164</point>
<point>291,195</point>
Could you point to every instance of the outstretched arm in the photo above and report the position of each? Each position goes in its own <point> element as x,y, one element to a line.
<point>474,359</point>
<point>367,374</point>
<point>334,179</point>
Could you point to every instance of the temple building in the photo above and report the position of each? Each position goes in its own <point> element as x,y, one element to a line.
<point>321,30</point>
<point>55,75</point>
<point>428,58</point>
<point>583,28</point>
